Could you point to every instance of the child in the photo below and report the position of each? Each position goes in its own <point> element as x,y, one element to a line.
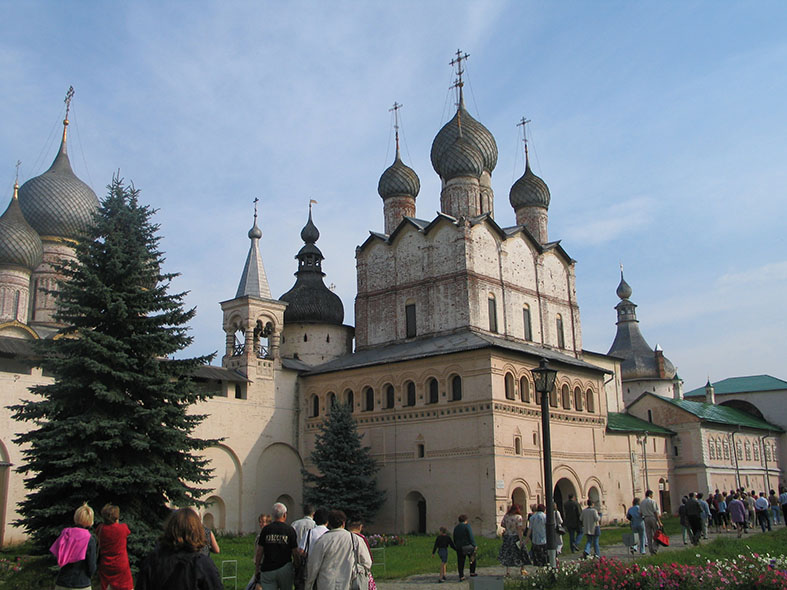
<point>441,545</point>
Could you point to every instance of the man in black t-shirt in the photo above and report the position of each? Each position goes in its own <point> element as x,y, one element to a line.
<point>278,546</point>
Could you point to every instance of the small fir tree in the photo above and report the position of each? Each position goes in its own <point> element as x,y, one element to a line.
<point>114,426</point>
<point>347,478</point>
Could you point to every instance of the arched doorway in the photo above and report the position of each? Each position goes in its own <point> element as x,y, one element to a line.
<point>664,500</point>
<point>519,497</point>
<point>595,496</point>
<point>563,488</point>
<point>414,513</point>
<point>215,516</point>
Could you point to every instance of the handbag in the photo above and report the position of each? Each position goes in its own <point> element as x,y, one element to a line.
<point>359,578</point>
<point>468,549</point>
<point>660,537</point>
<point>559,529</point>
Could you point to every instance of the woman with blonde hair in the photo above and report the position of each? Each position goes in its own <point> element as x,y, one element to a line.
<point>76,552</point>
<point>113,567</point>
<point>177,562</point>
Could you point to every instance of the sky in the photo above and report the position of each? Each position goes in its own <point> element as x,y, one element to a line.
<point>659,128</point>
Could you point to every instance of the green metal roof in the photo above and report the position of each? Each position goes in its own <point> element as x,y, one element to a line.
<point>742,385</point>
<point>721,414</point>
<point>627,423</point>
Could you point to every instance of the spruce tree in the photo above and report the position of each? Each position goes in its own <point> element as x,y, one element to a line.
<point>115,425</point>
<point>347,478</point>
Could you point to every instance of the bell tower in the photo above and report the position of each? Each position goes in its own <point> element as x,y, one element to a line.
<point>253,320</point>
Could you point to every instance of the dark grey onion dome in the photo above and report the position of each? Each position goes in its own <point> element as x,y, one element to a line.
<point>623,291</point>
<point>473,131</point>
<point>398,180</point>
<point>255,233</point>
<point>57,203</point>
<point>529,191</point>
<point>309,300</point>
<point>462,158</point>
<point>20,245</point>
<point>310,234</point>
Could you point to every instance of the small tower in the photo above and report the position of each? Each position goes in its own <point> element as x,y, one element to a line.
<point>464,154</point>
<point>529,196</point>
<point>253,320</point>
<point>21,252</point>
<point>59,207</point>
<point>710,393</point>
<point>313,328</point>
<point>643,368</point>
<point>399,186</point>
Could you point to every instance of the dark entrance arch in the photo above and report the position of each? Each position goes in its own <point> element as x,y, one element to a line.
<point>563,488</point>
<point>415,513</point>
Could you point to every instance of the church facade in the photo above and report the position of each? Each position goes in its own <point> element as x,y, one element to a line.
<point>452,314</point>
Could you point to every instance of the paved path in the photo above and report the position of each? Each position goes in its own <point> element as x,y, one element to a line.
<point>429,581</point>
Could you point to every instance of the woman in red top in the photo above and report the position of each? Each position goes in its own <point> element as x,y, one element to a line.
<point>113,568</point>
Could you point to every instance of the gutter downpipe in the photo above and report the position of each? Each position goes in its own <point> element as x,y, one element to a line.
<point>765,458</point>
<point>645,459</point>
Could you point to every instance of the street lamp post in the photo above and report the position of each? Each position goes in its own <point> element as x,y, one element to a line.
<point>544,381</point>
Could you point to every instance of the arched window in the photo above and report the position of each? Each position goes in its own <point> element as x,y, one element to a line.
<point>434,391</point>
<point>456,388</point>
<point>747,447</point>
<point>726,449</point>
<point>305,338</point>
<point>349,399</point>
<point>492,313</point>
<point>331,399</point>
<point>389,396</point>
<point>561,337</point>
<point>518,445</point>
<point>315,406</point>
<point>510,393</point>
<point>409,318</point>
<point>410,393</point>
<point>767,452</point>
<point>590,402</point>
<point>524,390</point>
<point>553,396</point>
<point>739,450</point>
<point>756,452</point>
<point>578,405</point>
<point>711,449</point>
<point>528,323</point>
<point>368,395</point>
<point>565,394</point>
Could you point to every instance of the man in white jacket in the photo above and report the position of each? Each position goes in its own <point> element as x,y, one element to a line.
<point>333,555</point>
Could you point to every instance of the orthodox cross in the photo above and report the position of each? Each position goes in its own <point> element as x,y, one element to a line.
<point>523,124</point>
<point>18,164</point>
<point>395,108</point>
<point>69,96</point>
<point>457,61</point>
<point>256,200</point>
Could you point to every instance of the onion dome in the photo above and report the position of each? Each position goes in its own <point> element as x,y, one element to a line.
<point>20,245</point>
<point>255,233</point>
<point>623,291</point>
<point>57,203</point>
<point>398,180</point>
<point>309,300</point>
<point>472,131</point>
<point>529,191</point>
<point>461,158</point>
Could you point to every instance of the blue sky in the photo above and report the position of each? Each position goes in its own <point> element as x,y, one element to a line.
<point>658,126</point>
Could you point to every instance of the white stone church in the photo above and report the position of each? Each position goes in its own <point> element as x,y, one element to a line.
<point>452,314</point>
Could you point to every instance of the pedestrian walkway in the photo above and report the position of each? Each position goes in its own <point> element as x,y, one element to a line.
<point>619,551</point>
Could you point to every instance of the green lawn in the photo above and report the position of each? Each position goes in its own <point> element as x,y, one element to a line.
<point>415,557</point>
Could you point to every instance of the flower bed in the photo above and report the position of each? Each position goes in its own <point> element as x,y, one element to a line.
<point>385,540</point>
<point>745,572</point>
